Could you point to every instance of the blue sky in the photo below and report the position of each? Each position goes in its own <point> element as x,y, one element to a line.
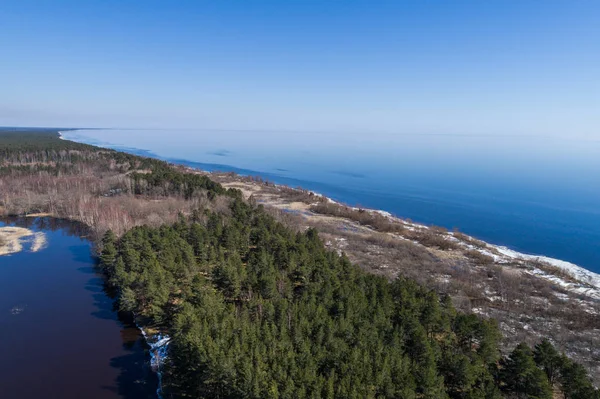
<point>444,67</point>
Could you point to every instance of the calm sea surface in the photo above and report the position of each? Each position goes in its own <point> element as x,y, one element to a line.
<point>539,195</point>
<point>59,335</point>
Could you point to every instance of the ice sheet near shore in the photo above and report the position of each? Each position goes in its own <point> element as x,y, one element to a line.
<point>159,346</point>
<point>15,239</point>
<point>502,254</point>
<point>572,269</point>
<point>578,272</point>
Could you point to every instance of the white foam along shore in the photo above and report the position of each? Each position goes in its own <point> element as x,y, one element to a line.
<point>507,254</point>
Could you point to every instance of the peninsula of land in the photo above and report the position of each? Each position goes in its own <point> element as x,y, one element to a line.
<point>189,249</point>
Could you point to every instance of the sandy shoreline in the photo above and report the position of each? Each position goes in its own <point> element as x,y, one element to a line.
<point>501,254</point>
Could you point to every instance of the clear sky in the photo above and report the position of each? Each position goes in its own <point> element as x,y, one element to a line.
<point>473,67</point>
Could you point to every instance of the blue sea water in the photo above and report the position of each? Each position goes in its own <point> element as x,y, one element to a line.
<point>533,194</point>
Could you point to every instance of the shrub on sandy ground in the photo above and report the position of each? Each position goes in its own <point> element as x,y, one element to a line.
<point>434,237</point>
<point>299,195</point>
<point>431,238</point>
<point>361,216</point>
<point>469,240</point>
<point>478,257</point>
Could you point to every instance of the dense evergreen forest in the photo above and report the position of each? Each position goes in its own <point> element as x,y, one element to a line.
<point>256,309</point>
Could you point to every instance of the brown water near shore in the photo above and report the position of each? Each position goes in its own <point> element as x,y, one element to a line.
<point>60,336</point>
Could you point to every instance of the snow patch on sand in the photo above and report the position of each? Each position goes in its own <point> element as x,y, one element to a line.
<point>39,242</point>
<point>14,239</point>
<point>577,272</point>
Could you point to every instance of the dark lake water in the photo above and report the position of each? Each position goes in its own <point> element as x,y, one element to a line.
<point>59,334</point>
<point>535,194</point>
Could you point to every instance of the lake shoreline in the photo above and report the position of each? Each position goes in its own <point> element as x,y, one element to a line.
<point>114,346</point>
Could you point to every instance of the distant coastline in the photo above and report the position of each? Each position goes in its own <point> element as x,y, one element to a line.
<point>581,273</point>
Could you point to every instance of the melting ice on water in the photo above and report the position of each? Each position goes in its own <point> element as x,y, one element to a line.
<point>159,345</point>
